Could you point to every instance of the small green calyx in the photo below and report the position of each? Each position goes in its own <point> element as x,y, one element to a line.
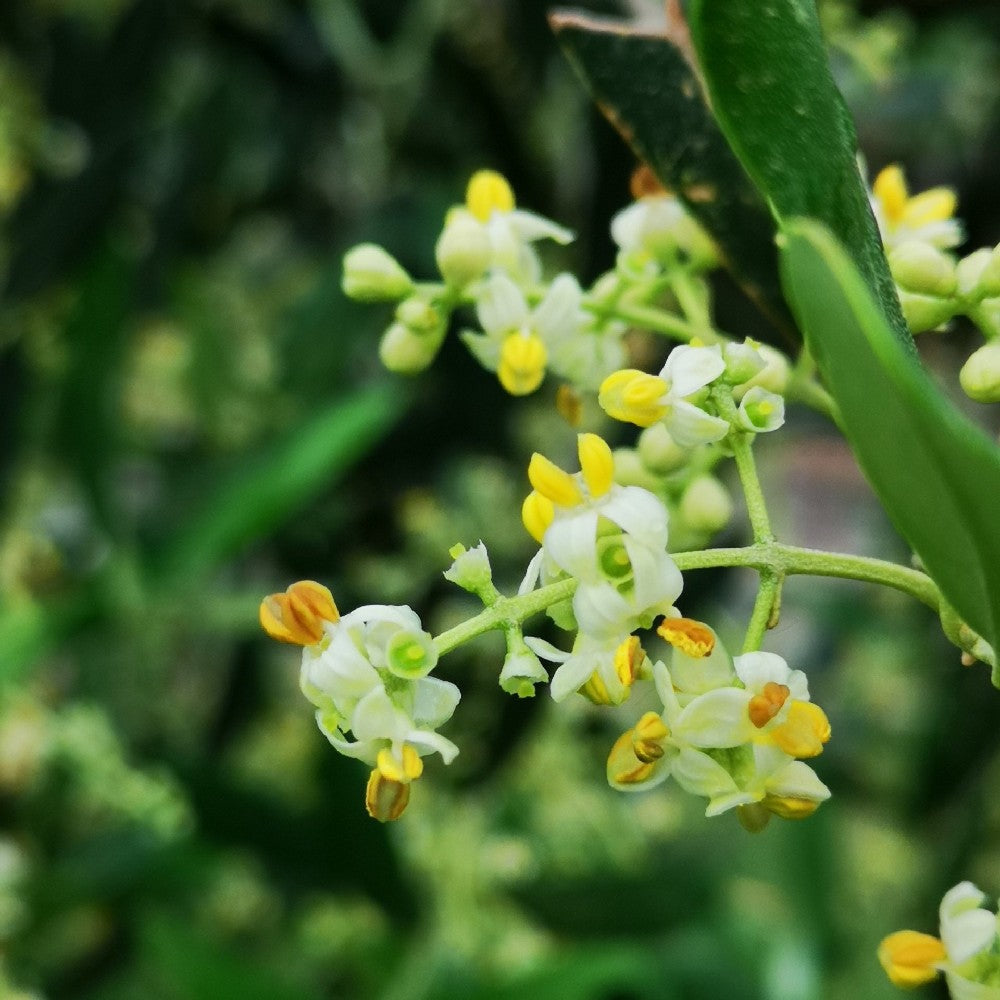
<point>411,655</point>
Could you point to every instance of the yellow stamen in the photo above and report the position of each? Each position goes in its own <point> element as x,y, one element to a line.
<point>624,768</point>
<point>890,189</point>
<point>553,483</point>
<point>596,463</point>
<point>909,958</point>
<point>765,706</point>
<point>648,737</point>
<point>693,638</point>
<point>537,514</point>
<point>804,732</point>
<point>569,405</point>
<point>595,690</point>
<point>386,799</point>
<point>936,205</point>
<point>297,615</point>
<point>488,192</point>
<point>789,807</point>
<point>522,363</point>
<point>633,396</point>
<point>408,769</point>
<point>628,658</point>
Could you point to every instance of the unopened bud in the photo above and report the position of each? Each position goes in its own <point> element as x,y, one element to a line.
<point>919,267</point>
<point>706,505</point>
<point>471,568</point>
<point>630,471</point>
<point>408,353</point>
<point>989,280</point>
<point>980,375</point>
<point>419,315</point>
<point>970,272</point>
<point>659,452</point>
<point>372,274</point>
<point>743,362</point>
<point>774,376</point>
<point>925,312</point>
<point>463,250</point>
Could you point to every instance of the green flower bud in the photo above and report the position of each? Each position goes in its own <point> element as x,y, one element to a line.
<point>970,272</point>
<point>919,267</point>
<point>463,250</point>
<point>630,471</point>
<point>773,377</point>
<point>989,280</point>
<point>924,312</point>
<point>419,315</point>
<point>706,505</point>
<point>659,452</point>
<point>522,670</point>
<point>411,655</point>
<point>980,375</point>
<point>372,274</point>
<point>743,361</point>
<point>408,353</point>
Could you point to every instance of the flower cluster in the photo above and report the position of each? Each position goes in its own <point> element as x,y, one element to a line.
<point>967,952</point>
<point>735,731</point>
<point>934,286</point>
<point>367,675</point>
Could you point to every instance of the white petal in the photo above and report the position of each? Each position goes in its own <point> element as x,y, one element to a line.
<point>689,369</point>
<point>627,226</point>
<point>531,574</point>
<point>716,720</point>
<point>968,934</point>
<point>546,650</point>
<point>376,717</point>
<point>797,780</point>
<point>398,614</point>
<point>657,582</point>
<point>557,316</point>
<point>571,543</point>
<point>530,227</point>
<point>501,307</point>
<point>434,701</point>
<point>757,669</point>
<point>638,512</point>
<point>486,350</point>
<point>697,773</point>
<point>696,675</point>
<point>689,425</point>
<point>431,742</point>
<point>576,671</point>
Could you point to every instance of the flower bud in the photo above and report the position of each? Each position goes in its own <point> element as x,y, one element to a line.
<point>371,274</point>
<point>471,569</point>
<point>924,312</point>
<point>522,670</point>
<point>419,315</point>
<point>970,271</point>
<point>659,452</point>
<point>743,361</point>
<point>774,376</point>
<point>980,375</point>
<point>630,471</point>
<point>989,279</point>
<point>463,250</point>
<point>408,353</point>
<point>919,267</point>
<point>706,505</point>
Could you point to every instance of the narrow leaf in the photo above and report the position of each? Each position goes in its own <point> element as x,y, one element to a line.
<point>646,88</point>
<point>937,474</point>
<point>772,92</point>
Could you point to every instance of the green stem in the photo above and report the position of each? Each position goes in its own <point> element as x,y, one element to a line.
<point>772,559</point>
<point>648,318</point>
<point>764,614</point>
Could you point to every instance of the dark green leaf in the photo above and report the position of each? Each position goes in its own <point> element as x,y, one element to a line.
<point>648,91</point>
<point>771,89</point>
<point>265,493</point>
<point>937,474</point>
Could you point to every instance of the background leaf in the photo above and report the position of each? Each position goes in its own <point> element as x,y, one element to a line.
<point>937,474</point>
<point>775,99</point>
<point>645,87</point>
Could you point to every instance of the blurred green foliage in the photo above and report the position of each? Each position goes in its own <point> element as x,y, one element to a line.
<point>194,416</point>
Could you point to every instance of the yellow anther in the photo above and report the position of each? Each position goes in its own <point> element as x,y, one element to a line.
<point>624,768</point>
<point>690,637</point>
<point>648,737</point>
<point>804,732</point>
<point>595,690</point>
<point>297,615</point>
<point>633,396</point>
<point>628,658</point>
<point>890,189</point>
<point>935,205</point>
<point>386,799</point>
<point>765,706</point>
<point>789,807</point>
<point>569,405</point>
<point>537,513</point>
<point>596,463</point>
<point>408,769</point>
<point>522,363</point>
<point>488,192</point>
<point>910,958</point>
<point>553,483</point>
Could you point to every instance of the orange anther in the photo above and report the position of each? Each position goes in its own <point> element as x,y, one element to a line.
<point>297,615</point>
<point>693,638</point>
<point>765,706</point>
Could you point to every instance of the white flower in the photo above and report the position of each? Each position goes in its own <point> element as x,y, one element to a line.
<point>927,217</point>
<point>657,229</point>
<point>966,928</point>
<point>517,339</point>
<point>644,399</point>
